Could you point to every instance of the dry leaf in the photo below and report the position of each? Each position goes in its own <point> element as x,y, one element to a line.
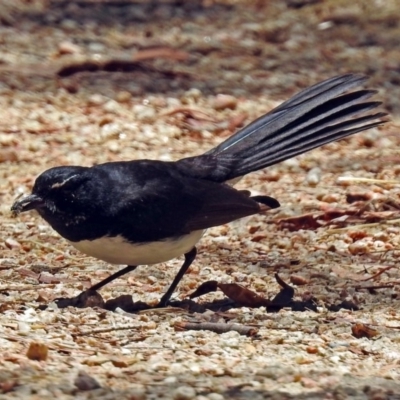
<point>362,330</point>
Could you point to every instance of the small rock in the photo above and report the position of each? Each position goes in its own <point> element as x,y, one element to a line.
<point>12,243</point>
<point>331,198</point>
<point>96,47</point>
<point>112,106</point>
<point>192,93</point>
<point>215,396</point>
<point>8,386</point>
<point>123,362</point>
<point>96,99</point>
<point>184,393</point>
<point>169,380</point>
<point>37,351</point>
<point>67,47</point>
<point>314,176</point>
<point>144,113</point>
<point>308,382</point>
<point>83,381</point>
<point>152,279</point>
<point>96,360</point>
<point>334,345</point>
<point>137,394</point>
<point>223,101</point>
<point>8,155</point>
<point>123,96</point>
<point>358,247</point>
<point>23,327</point>
<point>298,280</point>
<point>312,350</point>
<point>249,348</point>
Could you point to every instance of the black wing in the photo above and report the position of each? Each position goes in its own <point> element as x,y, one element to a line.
<point>154,201</point>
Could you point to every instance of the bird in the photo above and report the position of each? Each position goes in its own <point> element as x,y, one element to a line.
<point>145,212</point>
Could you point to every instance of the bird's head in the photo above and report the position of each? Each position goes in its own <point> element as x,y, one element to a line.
<point>54,191</point>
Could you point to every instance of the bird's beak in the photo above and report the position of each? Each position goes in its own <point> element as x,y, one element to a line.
<point>30,202</point>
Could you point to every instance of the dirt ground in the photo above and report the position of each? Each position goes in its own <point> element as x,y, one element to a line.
<point>90,81</point>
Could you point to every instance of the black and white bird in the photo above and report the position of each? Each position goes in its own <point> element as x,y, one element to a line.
<point>147,212</point>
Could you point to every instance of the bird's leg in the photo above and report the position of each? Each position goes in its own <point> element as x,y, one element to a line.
<point>189,258</point>
<point>104,282</point>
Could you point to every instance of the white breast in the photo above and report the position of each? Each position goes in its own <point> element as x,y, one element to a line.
<point>116,250</point>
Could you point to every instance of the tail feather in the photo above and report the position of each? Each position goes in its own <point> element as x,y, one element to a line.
<point>316,116</point>
<point>308,137</point>
<point>351,80</point>
<point>290,110</point>
<point>325,115</point>
<point>332,134</point>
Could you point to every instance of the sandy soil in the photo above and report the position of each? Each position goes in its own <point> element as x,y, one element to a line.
<point>88,81</point>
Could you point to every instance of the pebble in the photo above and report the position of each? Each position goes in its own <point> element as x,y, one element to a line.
<point>308,382</point>
<point>144,113</point>
<point>334,359</point>
<point>96,99</point>
<point>121,362</point>
<point>84,381</point>
<point>137,394</point>
<point>193,93</point>
<point>67,47</point>
<point>68,24</point>
<point>96,47</point>
<point>231,342</point>
<point>12,243</point>
<point>152,279</point>
<point>123,96</point>
<point>7,140</point>
<point>8,155</point>
<point>23,327</point>
<point>215,396</point>
<point>110,130</point>
<point>224,101</point>
<point>338,344</point>
<point>383,236</point>
<point>170,380</point>
<point>358,247</point>
<point>249,348</point>
<point>331,197</point>
<point>37,351</point>
<point>112,106</point>
<point>184,393</point>
<point>313,176</point>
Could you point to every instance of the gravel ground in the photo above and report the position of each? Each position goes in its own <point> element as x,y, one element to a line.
<point>85,82</point>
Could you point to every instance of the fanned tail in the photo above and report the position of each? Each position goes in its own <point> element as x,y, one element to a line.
<point>316,116</point>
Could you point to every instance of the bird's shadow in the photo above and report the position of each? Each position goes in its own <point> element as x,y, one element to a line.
<point>237,296</point>
<point>90,298</point>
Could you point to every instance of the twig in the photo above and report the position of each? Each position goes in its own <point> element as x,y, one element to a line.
<point>361,226</point>
<point>216,327</point>
<point>366,180</point>
<point>378,273</point>
<point>66,347</point>
<point>359,287</point>
<point>20,288</point>
<point>163,310</point>
<point>106,330</point>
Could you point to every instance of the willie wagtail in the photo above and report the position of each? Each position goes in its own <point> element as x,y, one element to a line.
<point>148,212</point>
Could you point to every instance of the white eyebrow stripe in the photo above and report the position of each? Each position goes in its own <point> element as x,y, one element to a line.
<point>60,184</point>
